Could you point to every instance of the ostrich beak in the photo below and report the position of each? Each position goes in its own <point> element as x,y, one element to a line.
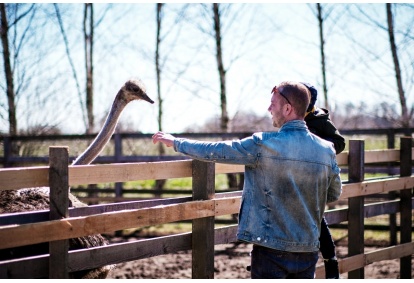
<point>145,97</point>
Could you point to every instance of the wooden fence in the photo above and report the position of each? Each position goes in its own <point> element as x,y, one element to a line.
<point>20,229</point>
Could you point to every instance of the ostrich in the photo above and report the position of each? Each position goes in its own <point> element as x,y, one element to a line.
<point>30,199</point>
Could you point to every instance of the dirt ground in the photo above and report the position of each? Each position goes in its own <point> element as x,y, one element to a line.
<point>230,263</point>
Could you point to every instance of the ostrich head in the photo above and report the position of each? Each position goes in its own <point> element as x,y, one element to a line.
<point>134,89</point>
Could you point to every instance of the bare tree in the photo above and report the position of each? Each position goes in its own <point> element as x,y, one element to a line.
<point>88,31</point>
<point>397,42</point>
<point>89,25</point>
<point>8,71</point>
<point>159,17</point>
<point>159,184</point>
<point>405,117</point>
<point>224,119</point>
<point>220,67</point>
<point>322,13</point>
<point>216,15</point>
<point>7,57</point>
<point>160,62</point>
<point>322,50</point>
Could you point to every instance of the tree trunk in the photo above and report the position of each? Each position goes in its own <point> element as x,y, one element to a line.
<point>405,120</point>
<point>222,72</point>
<point>157,64</point>
<point>8,71</point>
<point>224,121</point>
<point>88,35</point>
<point>159,184</point>
<point>323,64</point>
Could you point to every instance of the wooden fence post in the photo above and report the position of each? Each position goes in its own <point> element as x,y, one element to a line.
<point>356,161</point>
<point>203,228</point>
<point>392,195</point>
<point>406,204</point>
<point>59,203</point>
<point>118,156</point>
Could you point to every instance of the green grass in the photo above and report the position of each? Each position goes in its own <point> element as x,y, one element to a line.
<point>174,184</point>
<point>373,142</point>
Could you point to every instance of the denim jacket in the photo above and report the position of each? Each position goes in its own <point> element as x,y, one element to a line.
<point>290,175</point>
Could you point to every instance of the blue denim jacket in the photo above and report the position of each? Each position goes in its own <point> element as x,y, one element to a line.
<point>290,175</point>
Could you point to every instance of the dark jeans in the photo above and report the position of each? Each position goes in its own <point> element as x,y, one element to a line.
<point>273,264</point>
<point>327,245</point>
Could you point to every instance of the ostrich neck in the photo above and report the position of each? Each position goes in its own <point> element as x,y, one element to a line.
<point>104,135</point>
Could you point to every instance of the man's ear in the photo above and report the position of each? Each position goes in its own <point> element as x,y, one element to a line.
<point>289,109</point>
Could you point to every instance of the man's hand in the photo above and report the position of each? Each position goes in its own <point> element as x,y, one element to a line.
<point>166,139</point>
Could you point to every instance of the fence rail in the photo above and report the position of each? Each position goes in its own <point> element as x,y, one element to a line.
<point>20,229</point>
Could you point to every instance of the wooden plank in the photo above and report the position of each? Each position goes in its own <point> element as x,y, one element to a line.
<point>381,208</point>
<point>203,229</point>
<point>59,204</point>
<point>107,173</point>
<point>335,216</point>
<point>37,216</point>
<point>356,205</point>
<point>342,158</point>
<point>25,268</point>
<point>59,182</point>
<point>339,215</point>
<point>406,205</point>
<point>355,262</point>
<point>383,155</point>
<point>345,265</point>
<point>376,186</point>
<point>16,235</point>
<point>18,178</point>
<point>43,215</point>
<point>128,251</point>
<point>389,253</point>
<point>356,161</point>
<point>225,235</point>
<point>227,206</point>
<point>222,168</point>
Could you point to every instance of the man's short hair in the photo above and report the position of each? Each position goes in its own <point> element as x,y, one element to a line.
<point>297,94</point>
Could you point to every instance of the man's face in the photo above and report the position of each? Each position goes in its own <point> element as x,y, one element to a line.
<point>276,109</point>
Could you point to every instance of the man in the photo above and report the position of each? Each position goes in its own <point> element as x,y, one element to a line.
<point>290,175</point>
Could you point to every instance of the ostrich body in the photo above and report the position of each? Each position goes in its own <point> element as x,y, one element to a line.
<point>30,199</point>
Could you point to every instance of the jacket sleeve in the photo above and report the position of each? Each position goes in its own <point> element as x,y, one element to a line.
<point>335,184</point>
<point>231,152</point>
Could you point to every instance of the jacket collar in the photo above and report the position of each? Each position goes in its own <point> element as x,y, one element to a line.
<point>294,124</point>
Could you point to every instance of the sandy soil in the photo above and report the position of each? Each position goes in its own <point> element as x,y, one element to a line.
<point>230,263</point>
